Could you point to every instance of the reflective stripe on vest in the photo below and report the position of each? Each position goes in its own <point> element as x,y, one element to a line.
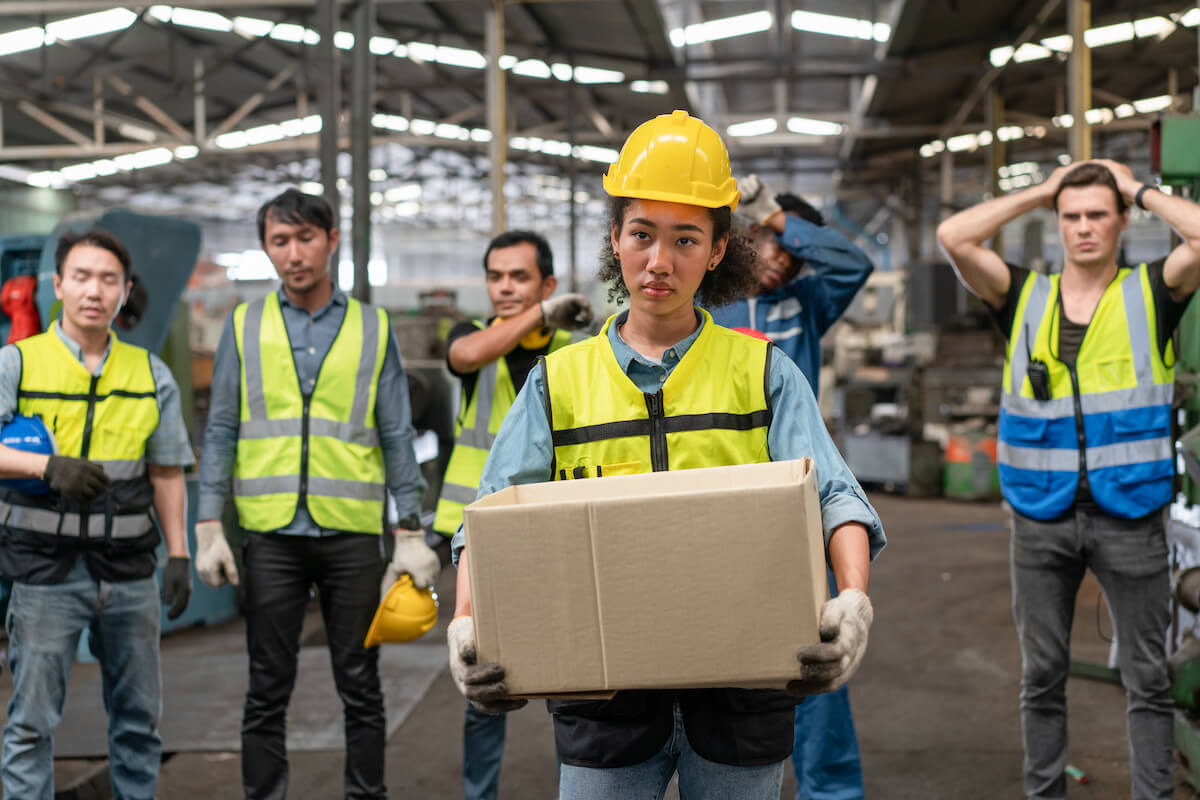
<point>713,410</point>
<point>105,418</point>
<point>479,419</point>
<point>1124,394</point>
<point>322,446</point>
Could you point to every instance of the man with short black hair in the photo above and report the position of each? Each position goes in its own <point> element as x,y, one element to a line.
<point>310,418</point>
<point>1085,448</point>
<point>80,548</point>
<point>491,360</point>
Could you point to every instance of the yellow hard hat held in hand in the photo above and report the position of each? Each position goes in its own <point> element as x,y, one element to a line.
<point>406,613</point>
<point>689,164</point>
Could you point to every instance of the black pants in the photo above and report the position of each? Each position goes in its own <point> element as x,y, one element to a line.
<point>346,569</point>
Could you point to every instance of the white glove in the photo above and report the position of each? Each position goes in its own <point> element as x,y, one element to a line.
<point>482,684</point>
<point>568,312</point>
<point>827,666</point>
<point>414,557</point>
<point>214,559</point>
<point>758,202</point>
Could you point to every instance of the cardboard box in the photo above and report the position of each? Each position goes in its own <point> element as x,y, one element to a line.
<point>705,577</point>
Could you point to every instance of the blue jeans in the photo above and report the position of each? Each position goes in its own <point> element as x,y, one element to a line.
<point>1129,558</point>
<point>483,750</point>
<point>44,624</point>
<point>826,757</point>
<point>699,779</point>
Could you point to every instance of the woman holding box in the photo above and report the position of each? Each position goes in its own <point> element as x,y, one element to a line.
<point>664,367</point>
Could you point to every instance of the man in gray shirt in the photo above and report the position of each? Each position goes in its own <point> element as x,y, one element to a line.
<point>310,418</point>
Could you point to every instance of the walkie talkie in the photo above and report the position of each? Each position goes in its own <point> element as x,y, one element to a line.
<point>1038,373</point>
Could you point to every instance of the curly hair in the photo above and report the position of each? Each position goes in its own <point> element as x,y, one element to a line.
<point>734,278</point>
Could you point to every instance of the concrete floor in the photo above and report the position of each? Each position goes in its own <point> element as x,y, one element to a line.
<point>935,700</point>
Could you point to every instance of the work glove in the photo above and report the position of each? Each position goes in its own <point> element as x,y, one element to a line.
<point>482,684</point>
<point>414,557</point>
<point>214,560</point>
<point>567,312</point>
<point>758,202</point>
<point>827,666</point>
<point>176,585</point>
<point>76,478</point>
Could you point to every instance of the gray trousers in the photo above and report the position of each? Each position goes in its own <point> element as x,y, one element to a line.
<point>1129,557</point>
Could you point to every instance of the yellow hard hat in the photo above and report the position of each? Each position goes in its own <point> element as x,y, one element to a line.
<point>677,158</point>
<point>406,613</point>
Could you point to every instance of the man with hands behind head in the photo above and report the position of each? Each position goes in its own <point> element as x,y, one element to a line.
<point>310,418</point>
<point>492,359</point>
<point>82,554</point>
<point>1085,446</point>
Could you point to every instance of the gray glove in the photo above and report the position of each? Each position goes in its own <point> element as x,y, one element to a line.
<point>827,666</point>
<point>413,556</point>
<point>567,312</point>
<point>758,202</point>
<point>76,478</point>
<point>482,684</point>
<point>214,560</point>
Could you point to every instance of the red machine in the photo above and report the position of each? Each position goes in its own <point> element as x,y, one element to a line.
<point>17,302</point>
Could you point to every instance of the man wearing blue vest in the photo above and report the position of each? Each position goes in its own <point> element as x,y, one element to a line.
<point>1085,447</point>
<point>491,360</point>
<point>794,310</point>
<point>310,419</point>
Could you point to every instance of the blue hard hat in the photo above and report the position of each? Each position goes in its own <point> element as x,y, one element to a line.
<point>31,435</point>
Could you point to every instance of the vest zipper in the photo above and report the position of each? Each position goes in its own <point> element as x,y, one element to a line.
<point>306,400</point>
<point>91,411</point>
<point>1080,436</point>
<point>84,447</point>
<point>658,432</point>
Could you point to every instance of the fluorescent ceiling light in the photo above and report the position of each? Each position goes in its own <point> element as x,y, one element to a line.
<point>814,127</point>
<point>392,122</point>
<point>290,32</point>
<point>161,13</point>
<point>532,68</point>
<point>312,187</point>
<point>106,166</point>
<point>144,159</point>
<point>186,151</point>
<point>604,155</point>
<point>46,180</point>
<point>21,40</point>
<point>378,174</point>
<point>594,75</point>
<point>101,22</point>
<point>448,130</point>
<point>725,28</point>
<point>650,87</point>
<point>1108,34</point>
<point>381,45</point>
<point>18,174</point>
<point>422,127</point>
<point>1191,19</point>
<point>460,57</point>
<point>833,25</point>
<point>206,20</point>
<point>405,191</point>
<point>252,27</point>
<point>1149,105</point>
<point>563,71</point>
<point>507,61</point>
<point>343,40</point>
<point>79,172</point>
<point>1143,28</point>
<point>753,127</point>
<point>965,141</point>
<point>1010,133</point>
<point>1124,111</point>
<point>481,135</point>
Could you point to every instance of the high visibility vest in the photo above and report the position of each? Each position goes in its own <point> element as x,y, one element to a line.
<point>712,411</point>
<point>319,447</point>
<point>105,418</point>
<point>478,423</point>
<point>1109,415</point>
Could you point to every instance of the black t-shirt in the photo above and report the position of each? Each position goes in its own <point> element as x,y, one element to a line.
<point>1168,312</point>
<point>519,361</point>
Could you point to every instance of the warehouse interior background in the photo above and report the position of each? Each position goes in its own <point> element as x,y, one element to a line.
<point>430,125</point>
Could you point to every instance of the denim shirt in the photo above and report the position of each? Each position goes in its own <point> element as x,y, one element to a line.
<point>796,316</point>
<point>523,450</point>
<point>169,444</point>
<point>311,336</point>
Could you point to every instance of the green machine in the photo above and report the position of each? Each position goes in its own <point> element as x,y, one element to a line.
<point>1179,166</point>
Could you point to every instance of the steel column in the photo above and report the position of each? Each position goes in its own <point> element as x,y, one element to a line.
<point>1079,79</point>
<point>327,68</point>
<point>199,110</point>
<point>996,154</point>
<point>497,104</point>
<point>362,87</point>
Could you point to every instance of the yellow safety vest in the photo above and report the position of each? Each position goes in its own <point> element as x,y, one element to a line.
<point>105,418</point>
<point>713,410</point>
<point>319,447</point>
<point>478,423</point>
<point>1109,415</point>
